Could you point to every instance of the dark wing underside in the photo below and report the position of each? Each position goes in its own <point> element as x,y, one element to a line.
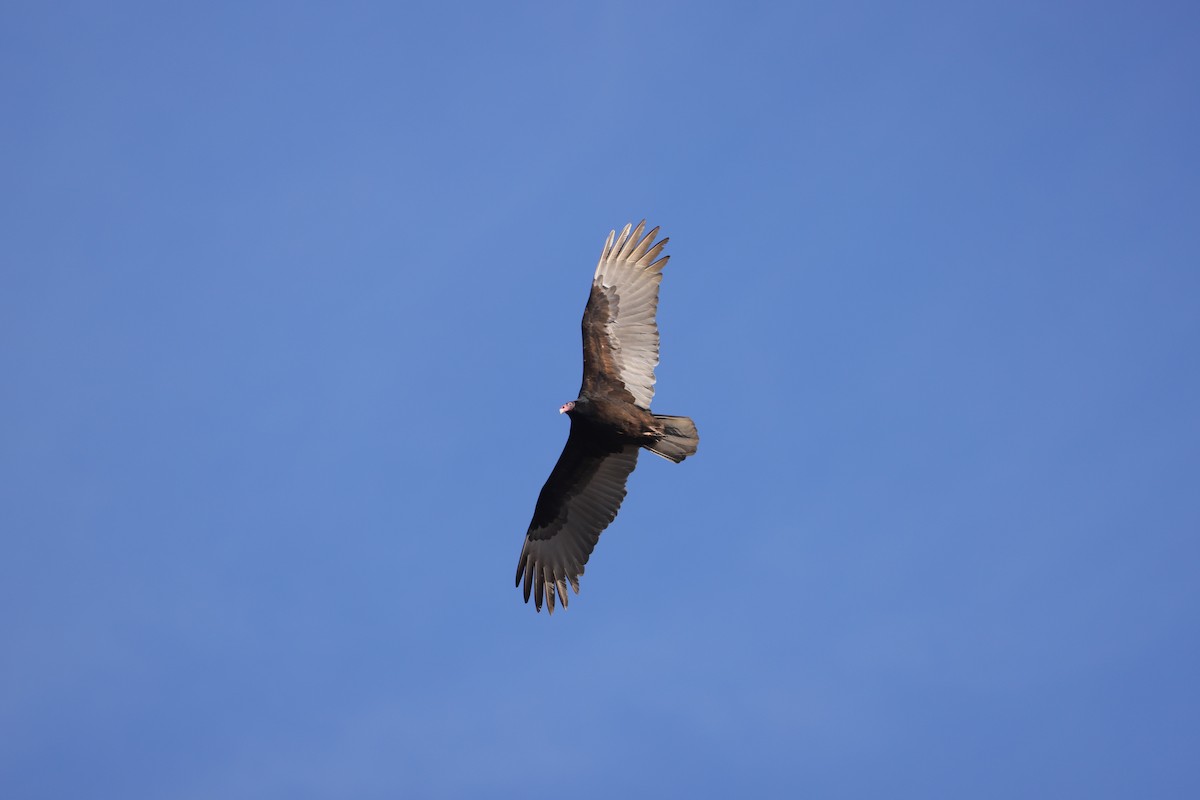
<point>620,334</point>
<point>581,497</point>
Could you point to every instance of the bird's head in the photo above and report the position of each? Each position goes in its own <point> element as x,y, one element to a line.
<point>566,407</point>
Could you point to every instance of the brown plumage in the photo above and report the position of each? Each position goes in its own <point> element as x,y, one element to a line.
<point>610,421</point>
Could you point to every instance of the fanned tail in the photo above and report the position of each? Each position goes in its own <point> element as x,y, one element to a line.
<point>679,439</point>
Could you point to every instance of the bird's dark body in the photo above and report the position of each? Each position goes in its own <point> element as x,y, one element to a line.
<point>610,421</point>
<point>619,421</point>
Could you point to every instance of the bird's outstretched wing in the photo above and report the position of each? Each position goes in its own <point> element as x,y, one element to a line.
<point>581,497</point>
<point>620,335</point>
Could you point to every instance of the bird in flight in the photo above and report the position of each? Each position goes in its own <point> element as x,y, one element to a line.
<point>610,420</point>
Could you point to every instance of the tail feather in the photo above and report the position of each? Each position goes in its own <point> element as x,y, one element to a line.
<point>679,439</point>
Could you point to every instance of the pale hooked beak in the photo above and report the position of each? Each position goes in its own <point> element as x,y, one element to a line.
<point>566,407</point>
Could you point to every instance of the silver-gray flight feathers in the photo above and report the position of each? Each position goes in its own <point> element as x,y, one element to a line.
<point>610,420</point>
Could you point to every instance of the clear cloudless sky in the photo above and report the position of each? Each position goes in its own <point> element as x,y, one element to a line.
<point>290,296</point>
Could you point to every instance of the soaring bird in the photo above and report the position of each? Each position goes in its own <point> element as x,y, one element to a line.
<point>610,420</point>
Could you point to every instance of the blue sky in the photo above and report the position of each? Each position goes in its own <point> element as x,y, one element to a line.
<point>290,297</point>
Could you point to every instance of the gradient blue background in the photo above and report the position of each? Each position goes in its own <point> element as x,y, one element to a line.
<point>290,297</point>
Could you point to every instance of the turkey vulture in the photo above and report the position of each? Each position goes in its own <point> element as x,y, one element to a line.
<point>610,420</point>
